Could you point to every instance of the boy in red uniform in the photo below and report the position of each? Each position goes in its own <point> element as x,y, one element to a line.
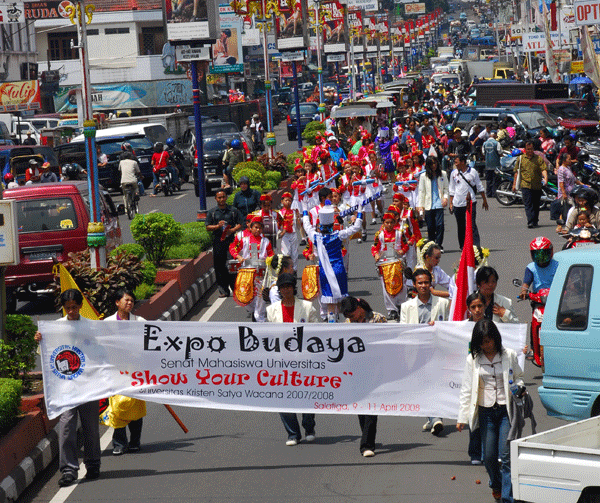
<point>288,228</point>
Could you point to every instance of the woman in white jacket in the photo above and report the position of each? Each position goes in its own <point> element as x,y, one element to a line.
<point>485,398</point>
<point>432,199</point>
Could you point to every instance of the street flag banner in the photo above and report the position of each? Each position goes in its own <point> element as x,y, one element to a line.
<point>590,62</point>
<point>550,61</point>
<point>383,369</point>
<point>465,277</point>
<point>66,283</point>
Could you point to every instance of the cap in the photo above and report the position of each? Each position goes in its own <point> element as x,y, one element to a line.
<point>286,279</point>
<point>34,161</point>
<point>389,216</point>
<point>326,215</point>
<point>46,165</point>
<point>286,194</point>
<point>393,209</point>
<point>256,219</point>
<point>266,197</point>
<point>457,129</point>
<point>244,179</point>
<point>332,138</point>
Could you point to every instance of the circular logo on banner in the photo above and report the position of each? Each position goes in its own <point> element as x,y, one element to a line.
<point>67,362</point>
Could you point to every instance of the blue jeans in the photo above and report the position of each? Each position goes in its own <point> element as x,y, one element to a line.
<point>435,225</point>
<point>174,174</point>
<point>120,434</point>
<point>290,423</point>
<point>494,425</point>
<point>475,445</point>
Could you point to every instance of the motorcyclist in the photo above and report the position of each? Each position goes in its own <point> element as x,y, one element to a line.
<point>175,156</point>
<point>172,169</point>
<point>585,198</point>
<point>72,171</point>
<point>233,155</point>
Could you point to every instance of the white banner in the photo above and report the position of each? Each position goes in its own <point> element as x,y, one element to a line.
<point>385,369</point>
<point>536,42</point>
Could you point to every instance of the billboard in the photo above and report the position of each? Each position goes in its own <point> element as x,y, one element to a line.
<point>12,13</point>
<point>586,12</point>
<point>190,20</point>
<point>333,27</point>
<point>383,29</point>
<point>355,28</point>
<point>291,34</point>
<point>414,8</point>
<point>371,33</point>
<point>51,9</point>
<point>227,50</point>
<point>536,42</point>
<point>368,5</point>
<point>15,96</point>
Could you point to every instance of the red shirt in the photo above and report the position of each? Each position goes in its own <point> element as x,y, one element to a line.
<point>288,313</point>
<point>159,161</point>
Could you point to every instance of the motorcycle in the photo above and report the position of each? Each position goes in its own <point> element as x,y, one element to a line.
<point>506,197</point>
<point>165,182</point>
<point>584,236</point>
<point>538,305</point>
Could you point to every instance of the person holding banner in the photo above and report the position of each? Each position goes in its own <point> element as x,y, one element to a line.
<point>491,373</point>
<point>425,308</point>
<point>72,301</point>
<point>125,301</point>
<point>293,310</point>
<point>359,311</point>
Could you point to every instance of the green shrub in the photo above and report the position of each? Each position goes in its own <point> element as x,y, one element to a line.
<point>144,291</point>
<point>231,196</point>
<point>255,177</point>
<point>156,232</point>
<point>271,185</point>
<point>10,399</point>
<point>184,250</point>
<point>257,187</point>
<point>256,166</point>
<point>273,176</point>
<point>123,270</point>
<point>17,353</point>
<point>132,248</point>
<point>196,233</point>
<point>316,126</point>
<point>291,160</point>
<point>149,271</point>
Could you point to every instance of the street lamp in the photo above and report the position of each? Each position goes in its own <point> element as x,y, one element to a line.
<point>96,238</point>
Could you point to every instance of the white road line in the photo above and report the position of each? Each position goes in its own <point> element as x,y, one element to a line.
<point>180,196</point>
<point>153,211</point>
<point>64,492</point>
<point>212,309</point>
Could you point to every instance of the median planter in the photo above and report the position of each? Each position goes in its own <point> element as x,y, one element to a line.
<point>30,429</point>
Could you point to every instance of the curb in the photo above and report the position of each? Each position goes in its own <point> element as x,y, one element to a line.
<point>35,462</point>
<point>190,297</point>
<point>47,449</point>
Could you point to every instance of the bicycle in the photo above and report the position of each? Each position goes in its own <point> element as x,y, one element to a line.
<point>131,200</point>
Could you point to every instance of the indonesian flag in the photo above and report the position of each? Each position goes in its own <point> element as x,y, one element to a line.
<point>465,277</point>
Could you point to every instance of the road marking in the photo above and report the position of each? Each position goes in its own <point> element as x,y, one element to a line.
<point>212,309</point>
<point>180,196</point>
<point>153,211</point>
<point>64,492</point>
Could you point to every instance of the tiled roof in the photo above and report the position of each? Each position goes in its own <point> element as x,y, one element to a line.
<point>126,5</point>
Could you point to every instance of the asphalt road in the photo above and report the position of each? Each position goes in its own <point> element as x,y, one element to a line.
<point>242,457</point>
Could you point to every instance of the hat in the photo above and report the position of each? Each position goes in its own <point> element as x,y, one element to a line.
<point>332,138</point>
<point>298,166</point>
<point>286,279</point>
<point>393,209</point>
<point>457,129</point>
<point>398,196</point>
<point>46,165</point>
<point>389,216</point>
<point>256,219</point>
<point>324,154</point>
<point>255,116</point>
<point>249,217</point>
<point>33,161</point>
<point>266,197</point>
<point>287,194</point>
<point>326,215</point>
<point>244,179</point>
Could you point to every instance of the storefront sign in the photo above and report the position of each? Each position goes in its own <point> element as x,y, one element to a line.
<point>536,42</point>
<point>586,12</point>
<point>15,96</point>
<point>186,53</point>
<point>414,8</point>
<point>262,366</point>
<point>12,13</point>
<point>47,9</point>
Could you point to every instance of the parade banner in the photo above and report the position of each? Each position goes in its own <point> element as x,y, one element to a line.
<point>355,27</point>
<point>383,369</point>
<point>291,30</point>
<point>333,28</point>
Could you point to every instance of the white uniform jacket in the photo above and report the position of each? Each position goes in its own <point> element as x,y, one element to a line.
<point>304,312</point>
<point>409,311</point>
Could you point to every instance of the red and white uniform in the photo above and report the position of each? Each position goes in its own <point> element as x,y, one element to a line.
<point>409,189</point>
<point>242,245</point>
<point>383,241</point>
<point>327,171</point>
<point>312,199</point>
<point>289,241</point>
<point>298,187</point>
<point>345,188</point>
<point>411,233</point>
<point>358,191</point>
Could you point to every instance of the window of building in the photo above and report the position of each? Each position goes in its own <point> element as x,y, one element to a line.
<point>115,31</point>
<point>60,45</point>
<point>93,32</point>
<point>152,39</point>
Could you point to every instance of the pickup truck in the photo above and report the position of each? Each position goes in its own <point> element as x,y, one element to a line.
<point>559,465</point>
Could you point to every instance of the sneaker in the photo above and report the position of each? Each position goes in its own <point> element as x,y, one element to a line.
<point>496,494</point>
<point>438,426</point>
<point>117,451</point>
<point>359,240</point>
<point>67,479</point>
<point>133,448</point>
<point>92,473</point>
<point>476,462</point>
<point>291,442</point>
<point>368,453</point>
<point>364,235</point>
<point>310,438</point>
<point>303,242</point>
<point>427,426</point>
<point>373,221</point>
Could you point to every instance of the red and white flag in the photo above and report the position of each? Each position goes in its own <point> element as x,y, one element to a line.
<point>465,277</point>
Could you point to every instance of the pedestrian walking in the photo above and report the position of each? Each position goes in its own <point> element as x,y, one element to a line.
<point>492,152</point>
<point>530,175</point>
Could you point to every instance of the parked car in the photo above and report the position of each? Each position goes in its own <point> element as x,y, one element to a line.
<point>532,120</point>
<point>214,138</point>
<point>52,220</point>
<point>109,176</point>
<point>308,113</point>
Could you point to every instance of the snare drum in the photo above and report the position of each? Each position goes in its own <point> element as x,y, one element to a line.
<point>392,273</point>
<point>233,266</point>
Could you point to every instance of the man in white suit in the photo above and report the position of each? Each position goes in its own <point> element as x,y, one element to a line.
<point>293,310</point>
<point>425,308</point>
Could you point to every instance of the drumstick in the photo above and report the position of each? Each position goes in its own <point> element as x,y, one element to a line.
<point>176,417</point>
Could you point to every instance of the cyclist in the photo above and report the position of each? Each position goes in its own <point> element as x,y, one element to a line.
<point>130,173</point>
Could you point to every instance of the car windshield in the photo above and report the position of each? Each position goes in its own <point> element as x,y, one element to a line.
<point>304,109</point>
<point>571,111</point>
<point>114,147</point>
<point>214,144</point>
<point>41,215</point>
<point>219,128</point>
<point>536,119</point>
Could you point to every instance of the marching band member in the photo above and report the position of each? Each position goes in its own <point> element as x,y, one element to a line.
<point>299,186</point>
<point>407,180</point>
<point>313,184</point>
<point>328,169</point>
<point>359,187</point>
<point>287,233</point>
<point>324,195</point>
<point>389,247</point>
<point>271,219</point>
<point>374,171</point>
<point>409,227</point>
<point>345,183</point>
